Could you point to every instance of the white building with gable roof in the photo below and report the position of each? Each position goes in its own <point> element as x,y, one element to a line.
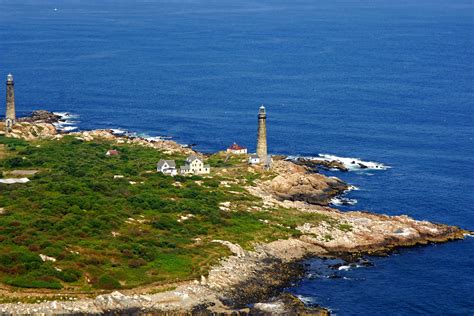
<point>194,165</point>
<point>167,167</point>
<point>254,159</point>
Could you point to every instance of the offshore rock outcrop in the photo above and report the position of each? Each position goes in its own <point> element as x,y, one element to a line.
<point>41,116</point>
<point>315,164</point>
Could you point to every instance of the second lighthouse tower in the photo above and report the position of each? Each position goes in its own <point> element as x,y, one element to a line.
<point>262,134</point>
<point>10,117</point>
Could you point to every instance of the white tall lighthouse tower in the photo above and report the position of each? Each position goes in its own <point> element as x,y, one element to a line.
<point>262,134</point>
<point>10,116</point>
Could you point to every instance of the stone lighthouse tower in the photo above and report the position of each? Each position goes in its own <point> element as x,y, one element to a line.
<point>10,117</point>
<point>262,135</point>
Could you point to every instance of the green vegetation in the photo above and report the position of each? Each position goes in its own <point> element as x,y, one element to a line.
<point>107,282</point>
<point>345,227</point>
<point>109,232</point>
<point>5,299</point>
<point>328,237</point>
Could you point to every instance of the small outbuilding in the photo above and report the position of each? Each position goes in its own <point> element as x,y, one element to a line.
<point>167,167</point>
<point>237,150</point>
<point>112,152</point>
<point>254,159</point>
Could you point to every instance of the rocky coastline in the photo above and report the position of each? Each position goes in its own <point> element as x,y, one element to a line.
<point>316,164</point>
<point>250,282</point>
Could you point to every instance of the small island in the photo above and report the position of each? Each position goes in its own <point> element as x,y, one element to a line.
<point>93,227</point>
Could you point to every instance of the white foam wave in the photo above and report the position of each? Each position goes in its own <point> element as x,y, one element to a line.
<point>66,115</point>
<point>69,128</point>
<point>157,138</point>
<point>305,299</point>
<point>67,122</point>
<point>352,188</point>
<point>119,132</point>
<point>126,133</point>
<point>354,163</point>
<point>349,266</point>
<point>338,201</point>
<point>61,113</point>
<point>61,127</point>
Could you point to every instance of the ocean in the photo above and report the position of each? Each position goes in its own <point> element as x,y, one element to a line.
<point>385,81</point>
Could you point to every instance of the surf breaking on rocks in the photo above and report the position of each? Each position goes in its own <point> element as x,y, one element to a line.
<point>67,122</point>
<point>353,164</point>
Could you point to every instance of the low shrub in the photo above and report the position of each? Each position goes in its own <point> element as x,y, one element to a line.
<point>69,275</point>
<point>28,282</point>
<point>107,282</point>
<point>345,227</point>
<point>136,263</point>
<point>164,222</point>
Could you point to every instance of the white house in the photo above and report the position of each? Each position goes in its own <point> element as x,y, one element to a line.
<point>236,149</point>
<point>167,167</point>
<point>194,165</point>
<point>254,159</point>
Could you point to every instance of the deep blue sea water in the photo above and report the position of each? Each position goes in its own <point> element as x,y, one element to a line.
<point>382,80</point>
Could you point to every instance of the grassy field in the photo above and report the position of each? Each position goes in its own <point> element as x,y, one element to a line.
<point>108,233</point>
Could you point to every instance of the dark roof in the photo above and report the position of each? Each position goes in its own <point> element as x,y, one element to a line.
<point>171,163</point>
<point>192,158</point>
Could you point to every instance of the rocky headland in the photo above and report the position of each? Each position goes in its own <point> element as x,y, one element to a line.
<point>250,282</point>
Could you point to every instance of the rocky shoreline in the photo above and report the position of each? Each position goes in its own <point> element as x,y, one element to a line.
<point>316,164</point>
<point>250,282</point>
